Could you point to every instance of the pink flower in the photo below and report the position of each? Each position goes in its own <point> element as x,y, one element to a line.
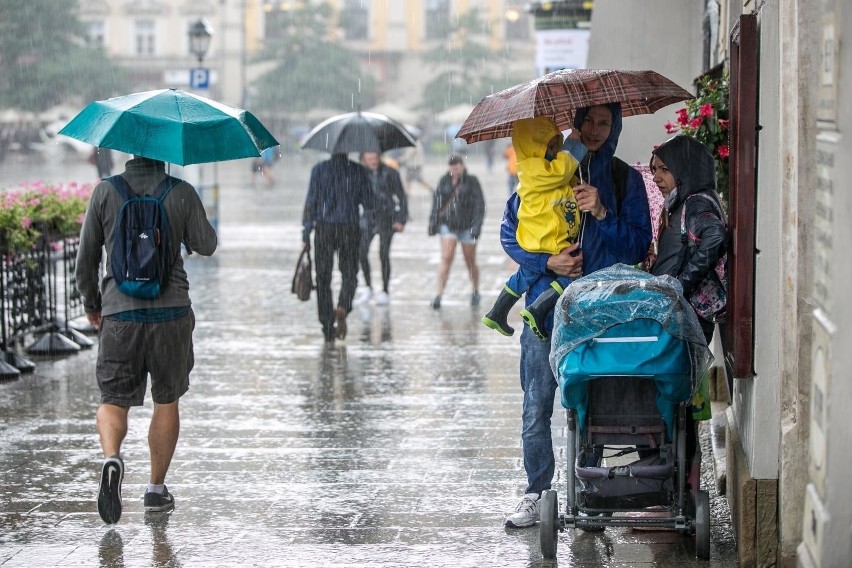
<point>724,123</point>
<point>723,151</point>
<point>671,128</point>
<point>27,222</point>
<point>696,122</point>
<point>682,118</point>
<point>706,109</point>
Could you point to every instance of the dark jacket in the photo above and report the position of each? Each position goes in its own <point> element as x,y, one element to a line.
<point>692,166</point>
<point>619,237</point>
<point>389,203</point>
<point>336,189</point>
<point>465,211</point>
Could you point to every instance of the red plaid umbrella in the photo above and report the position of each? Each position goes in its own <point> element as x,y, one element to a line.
<point>558,94</point>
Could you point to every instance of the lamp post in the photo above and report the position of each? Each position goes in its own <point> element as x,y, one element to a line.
<point>200,34</point>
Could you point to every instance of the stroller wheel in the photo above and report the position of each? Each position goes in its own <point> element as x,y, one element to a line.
<point>549,529</point>
<point>702,525</point>
<point>588,528</point>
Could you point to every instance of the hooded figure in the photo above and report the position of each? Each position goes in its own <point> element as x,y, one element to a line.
<point>548,217</point>
<point>620,237</point>
<point>693,169</point>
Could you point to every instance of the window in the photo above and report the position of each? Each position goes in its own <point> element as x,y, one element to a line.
<point>517,23</point>
<point>437,19</point>
<point>145,37</point>
<point>95,36</point>
<point>355,19</point>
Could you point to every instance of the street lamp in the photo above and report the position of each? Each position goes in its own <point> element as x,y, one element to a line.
<point>200,33</point>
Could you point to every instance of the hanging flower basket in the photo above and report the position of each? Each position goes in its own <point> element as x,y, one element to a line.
<point>705,118</point>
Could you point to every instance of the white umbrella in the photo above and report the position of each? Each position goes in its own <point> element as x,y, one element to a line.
<point>455,114</point>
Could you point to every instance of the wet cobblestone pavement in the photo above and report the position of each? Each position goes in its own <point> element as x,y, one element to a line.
<point>398,446</point>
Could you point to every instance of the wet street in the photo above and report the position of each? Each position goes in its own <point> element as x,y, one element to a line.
<point>398,446</point>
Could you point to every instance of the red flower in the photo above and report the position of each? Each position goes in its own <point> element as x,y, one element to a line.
<point>671,128</point>
<point>696,122</point>
<point>682,118</point>
<point>724,123</point>
<point>706,109</point>
<point>723,151</point>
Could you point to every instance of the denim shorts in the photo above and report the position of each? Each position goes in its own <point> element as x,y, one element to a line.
<point>464,237</point>
<point>128,351</point>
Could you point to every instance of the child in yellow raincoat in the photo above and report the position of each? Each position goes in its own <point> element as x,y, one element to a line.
<point>548,217</point>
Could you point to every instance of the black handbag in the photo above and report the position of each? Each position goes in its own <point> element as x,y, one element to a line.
<point>303,281</point>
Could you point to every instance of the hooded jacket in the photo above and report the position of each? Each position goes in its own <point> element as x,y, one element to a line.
<point>622,236</point>
<point>694,172</point>
<point>548,218</point>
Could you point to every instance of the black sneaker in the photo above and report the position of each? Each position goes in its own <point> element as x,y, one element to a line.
<point>159,501</point>
<point>109,491</point>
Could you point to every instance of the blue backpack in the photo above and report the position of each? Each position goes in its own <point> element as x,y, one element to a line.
<point>141,256</point>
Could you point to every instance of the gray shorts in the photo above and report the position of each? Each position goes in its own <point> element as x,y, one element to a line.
<point>464,237</point>
<point>128,351</point>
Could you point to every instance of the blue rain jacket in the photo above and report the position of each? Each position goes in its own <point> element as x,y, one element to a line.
<point>618,238</point>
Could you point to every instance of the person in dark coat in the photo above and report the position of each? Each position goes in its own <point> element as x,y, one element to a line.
<point>387,216</point>
<point>684,171</point>
<point>337,188</point>
<point>458,209</point>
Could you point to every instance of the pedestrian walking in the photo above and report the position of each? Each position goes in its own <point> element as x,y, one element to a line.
<point>387,215</point>
<point>337,188</point>
<point>101,158</point>
<point>458,209</point>
<point>140,337</point>
<point>616,230</point>
<point>263,165</point>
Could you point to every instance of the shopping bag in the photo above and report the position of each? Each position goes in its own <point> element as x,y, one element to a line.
<point>303,281</point>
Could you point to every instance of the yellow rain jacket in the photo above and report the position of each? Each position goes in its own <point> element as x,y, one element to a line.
<point>548,217</point>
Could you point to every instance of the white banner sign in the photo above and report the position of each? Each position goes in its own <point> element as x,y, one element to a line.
<point>561,49</point>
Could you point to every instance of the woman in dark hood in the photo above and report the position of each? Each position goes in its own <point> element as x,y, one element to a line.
<point>682,168</point>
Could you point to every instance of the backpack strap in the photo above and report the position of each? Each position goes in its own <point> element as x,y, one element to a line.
<point>620,170</point>
<point>121,185</point>
<point>164,188</point>
<point>160,193</point>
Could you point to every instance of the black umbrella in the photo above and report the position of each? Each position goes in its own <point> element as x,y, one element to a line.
<point>358,132</point>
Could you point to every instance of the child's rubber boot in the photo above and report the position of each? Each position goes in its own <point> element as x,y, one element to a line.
<point>536,312</point>
<point>496,319</point>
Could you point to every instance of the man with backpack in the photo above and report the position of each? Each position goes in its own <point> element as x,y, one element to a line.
<point>142,312</point>
<point>616,228</point>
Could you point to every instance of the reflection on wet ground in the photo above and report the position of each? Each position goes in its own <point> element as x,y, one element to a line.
<point>398,446</point>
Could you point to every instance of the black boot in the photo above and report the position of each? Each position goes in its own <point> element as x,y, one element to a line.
<point>534,315</point>
<point>496,318</point>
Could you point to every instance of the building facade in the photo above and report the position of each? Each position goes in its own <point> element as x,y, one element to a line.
<point>150,37</point>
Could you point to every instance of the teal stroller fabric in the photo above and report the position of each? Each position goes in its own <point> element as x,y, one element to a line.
<point>621,321</point>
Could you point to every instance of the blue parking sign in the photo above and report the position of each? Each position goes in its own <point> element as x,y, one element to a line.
<point>199,78</point>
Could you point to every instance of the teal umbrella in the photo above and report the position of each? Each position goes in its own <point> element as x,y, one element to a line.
<point>171,125</point>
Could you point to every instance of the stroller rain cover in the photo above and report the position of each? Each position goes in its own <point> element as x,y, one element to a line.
<point>617,301</point>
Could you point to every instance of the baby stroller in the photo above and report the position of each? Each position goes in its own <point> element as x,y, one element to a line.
<point>628,354</point>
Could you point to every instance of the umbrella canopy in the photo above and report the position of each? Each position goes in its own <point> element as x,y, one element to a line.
<point>558,94</point>
<point>171,125</point>
<point>358,132</point>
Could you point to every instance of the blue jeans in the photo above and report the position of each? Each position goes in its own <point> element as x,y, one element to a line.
<point>539,386</point>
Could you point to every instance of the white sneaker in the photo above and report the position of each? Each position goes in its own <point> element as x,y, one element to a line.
<point>526,513</point>
<point>364,296</point>
<point>382,299</point>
